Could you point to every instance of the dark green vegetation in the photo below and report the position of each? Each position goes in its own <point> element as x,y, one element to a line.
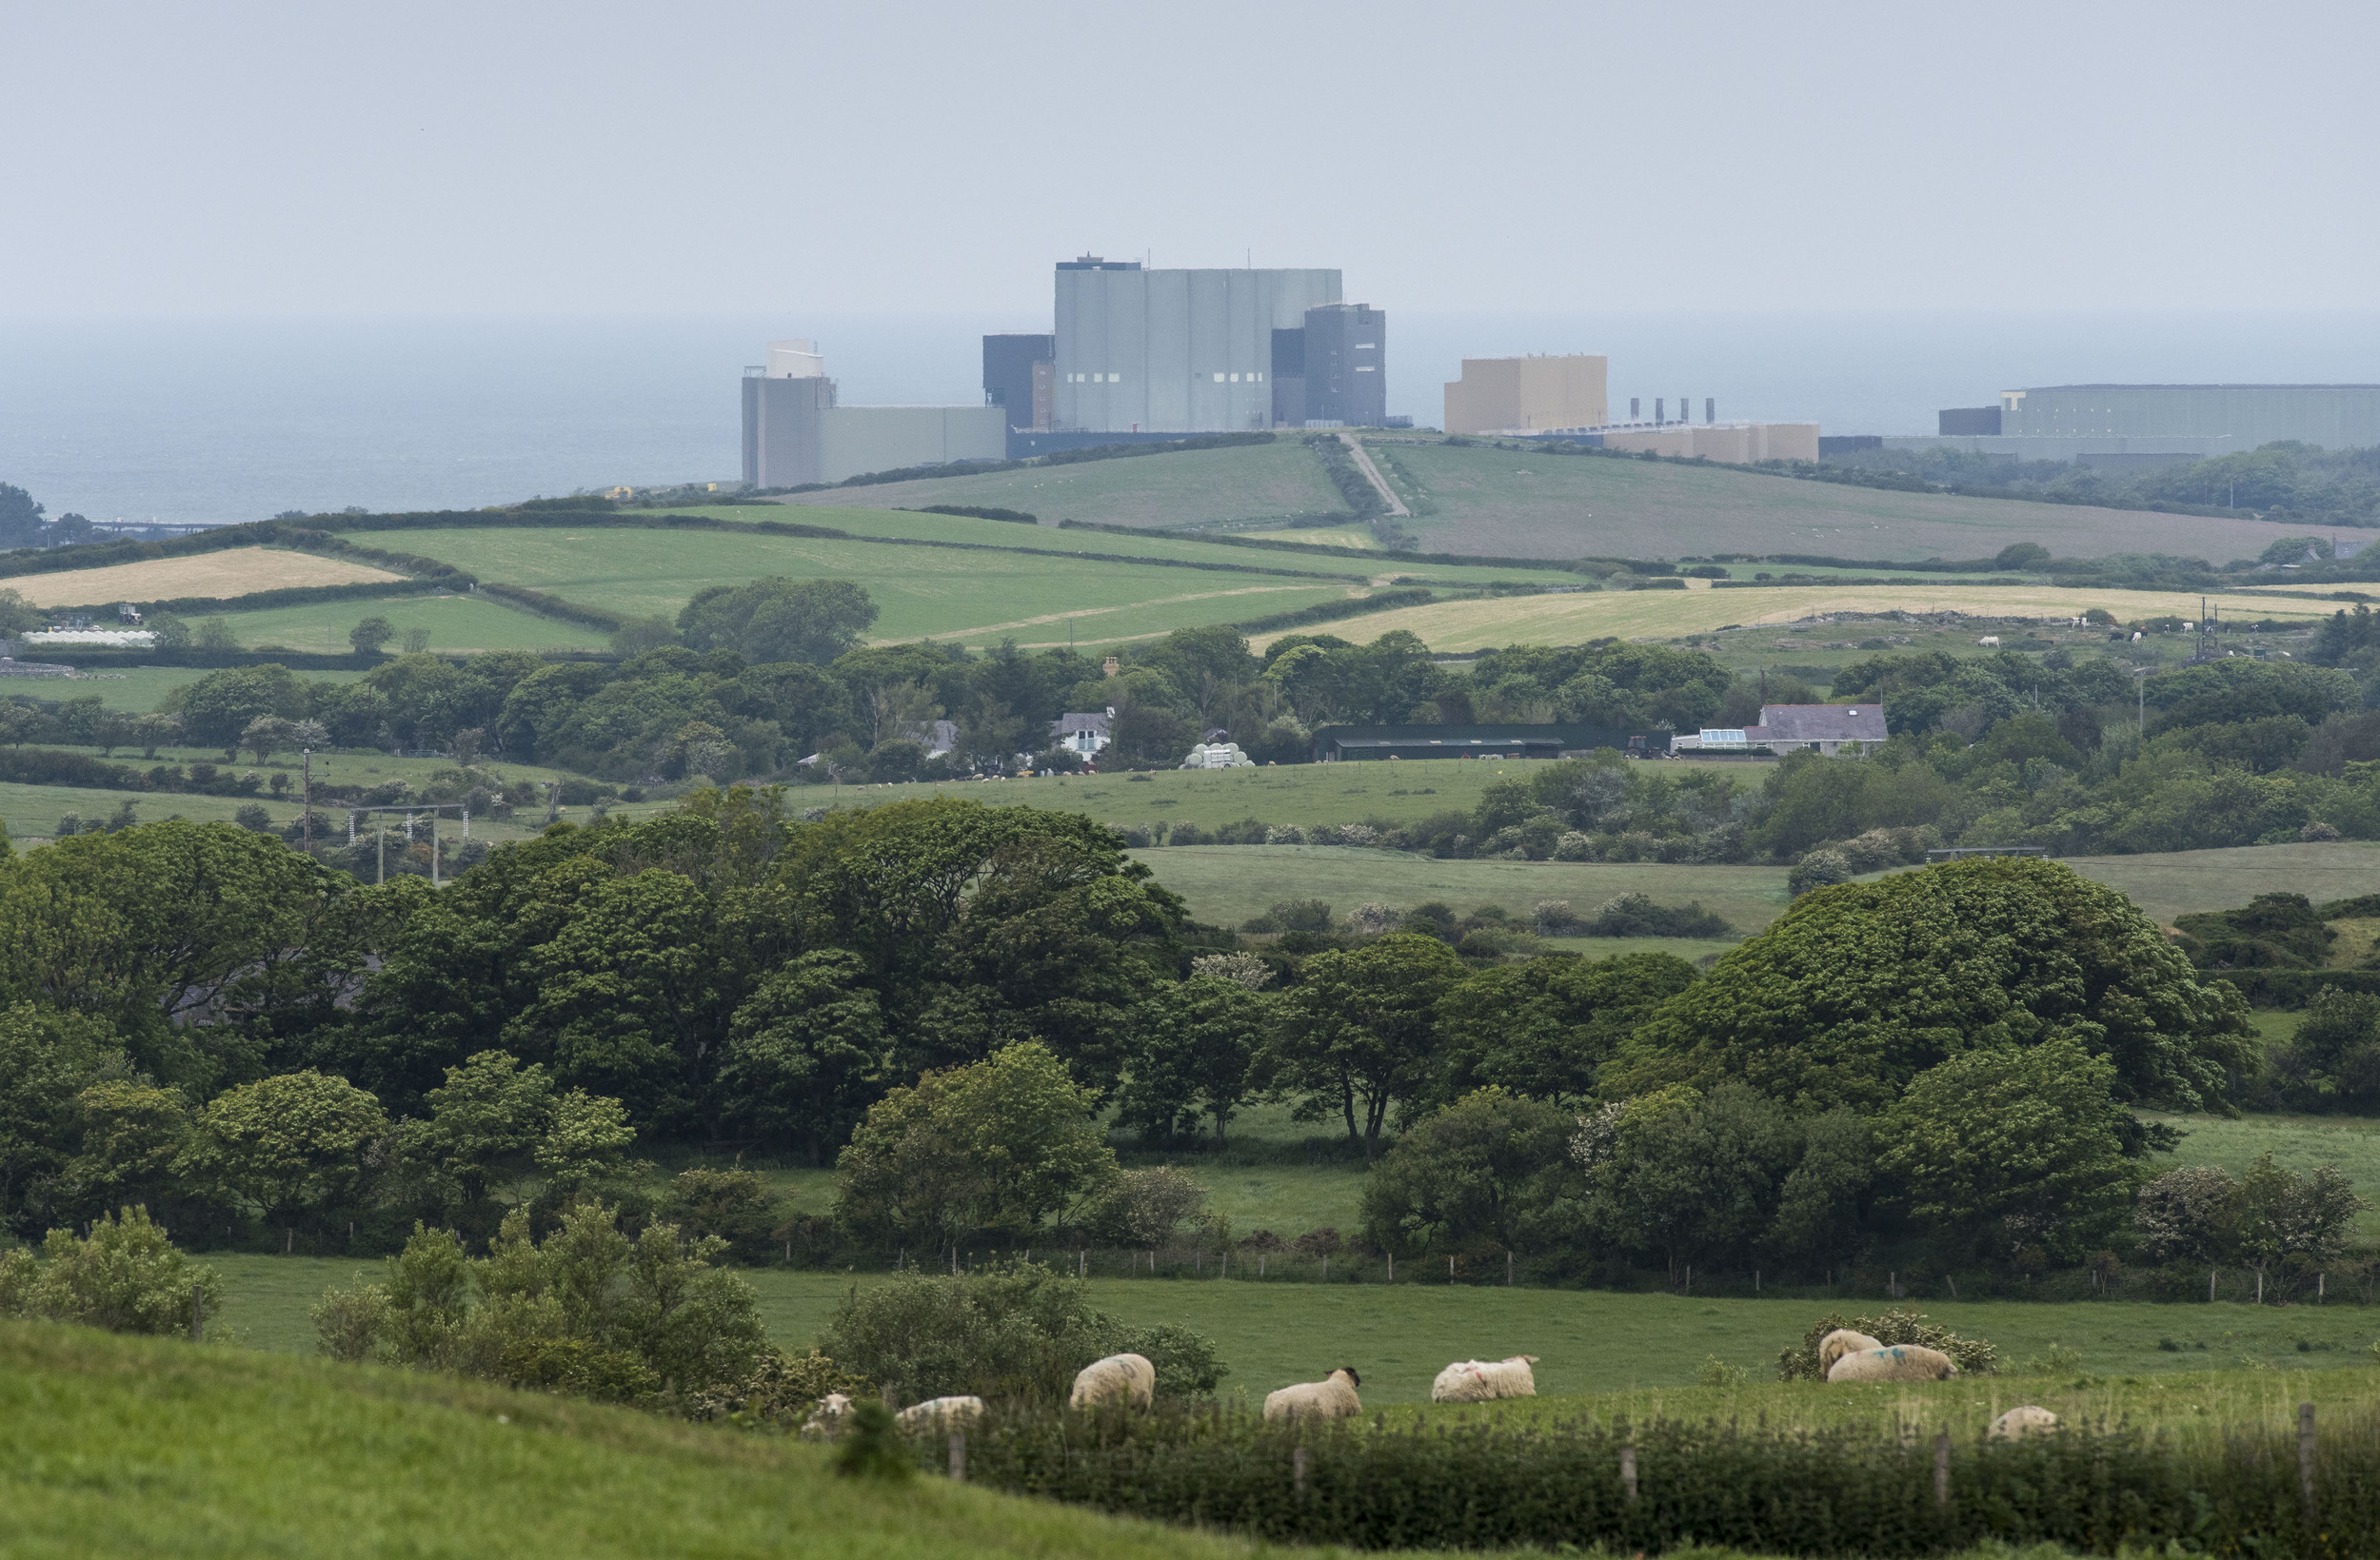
<point>949,990</point>
<point>1645,1487</point>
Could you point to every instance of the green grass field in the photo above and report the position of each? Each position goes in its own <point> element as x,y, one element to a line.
<point>1186,488</point>
<point>1528,503</point>
<point>141,688</point>
<point>1273,1332</point>
<point>456,624</point>
<point>2176,882</point>
<point>978,596</point>
<point>1303,794</point>
<point>1227,884</point>
<point>126,1447</point>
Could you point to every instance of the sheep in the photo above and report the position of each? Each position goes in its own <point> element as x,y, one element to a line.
<point>829,1419</point>
<point>2020,1422</point>
<point>1478,1380</point>
<point>941,1413</point>
<point>1899,1362</point>
<point>1333,1397</point>
<point>1990,642</point>
<point>1841,1342</point>
<point>1130,1379</point>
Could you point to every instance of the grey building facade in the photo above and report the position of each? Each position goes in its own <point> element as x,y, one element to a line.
<point>795,433</point>
<point>1010,360</point>
<point>1346,366</point>
<point>1183,351</point>
<point>2245,416</point>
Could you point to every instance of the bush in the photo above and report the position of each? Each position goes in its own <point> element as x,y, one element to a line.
<point>1016,1334</point>
<point>128,1277</point>
<point>1636,916</point>
<point>1973,1357</point>
<point>587,1312</point>
<point>1144,1207</point>
<point>253,817</point>
<point>735,1206</point>
<point>1818,869</point>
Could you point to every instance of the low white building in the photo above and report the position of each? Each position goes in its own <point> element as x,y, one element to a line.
<point>1084,732</point>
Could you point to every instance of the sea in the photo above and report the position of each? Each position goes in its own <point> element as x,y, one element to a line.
<point>217,421</point>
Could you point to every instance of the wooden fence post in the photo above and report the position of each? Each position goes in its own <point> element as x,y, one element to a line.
<point>1942,1470</point>
<point>2306,1459</point>
<point>1628,1472</point>
<point>1297,1469</point>
<point>957,1456</point>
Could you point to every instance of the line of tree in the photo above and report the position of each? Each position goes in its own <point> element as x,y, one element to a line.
<point>944,997</point>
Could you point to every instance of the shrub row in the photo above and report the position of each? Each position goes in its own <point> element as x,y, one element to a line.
<point>1482,1485</point>
<point>1332,611</point>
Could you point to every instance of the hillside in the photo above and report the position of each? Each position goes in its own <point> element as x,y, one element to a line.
<point>131,1447</point>
<point>1244,482</point>
<point>1482,622</point>
<point>1527,504</point>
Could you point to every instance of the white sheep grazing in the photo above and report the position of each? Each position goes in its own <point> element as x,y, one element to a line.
<point>829,1419</point>
<point>1333,1397</point>
<point>1841,1342</point>
<point>1130,1379</point>
<point>941,1413</point>
<point>1478,1380</point>
<point>2018,1423</point>
<point>1899,1362</point>
<point>1989,641</point>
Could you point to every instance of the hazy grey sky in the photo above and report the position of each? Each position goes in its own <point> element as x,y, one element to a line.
<point>805,158</point>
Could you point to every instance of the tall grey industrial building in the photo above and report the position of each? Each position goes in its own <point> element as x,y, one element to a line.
<point>1140,353</point>
<point>1178,351</point>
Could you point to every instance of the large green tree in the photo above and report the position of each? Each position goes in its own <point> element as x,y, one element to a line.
<point>1359,1032</point>
<point>292,1144</point>
<point>2006,1147</point>
<point>1488,1169</point>
<point>779,620</point>
<point>1195,1048</point>
<point>1543,1027</point>
<point>1858,988</point>
<point>808,1052</point>
<point>1000,1145</point>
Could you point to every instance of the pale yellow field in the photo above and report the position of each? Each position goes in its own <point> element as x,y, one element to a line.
<point>1667,614</point>
<point>235,571</point>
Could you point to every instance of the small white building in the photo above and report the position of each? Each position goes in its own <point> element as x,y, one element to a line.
<point>1084,732</point>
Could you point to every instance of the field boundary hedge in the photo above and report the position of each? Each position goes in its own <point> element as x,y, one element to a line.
<point>1333,611</point>
<point>2293,988</point>
<point>1664,1485</point>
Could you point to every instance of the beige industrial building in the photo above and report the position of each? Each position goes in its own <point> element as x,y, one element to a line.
<point>1736,443</point>
<point>1498,395</point>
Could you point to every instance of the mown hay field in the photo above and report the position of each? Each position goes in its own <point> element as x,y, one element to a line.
<point>980,598</point>
<point>234,571</point>
<point>1488,623</point>
<point>1531,504</point>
